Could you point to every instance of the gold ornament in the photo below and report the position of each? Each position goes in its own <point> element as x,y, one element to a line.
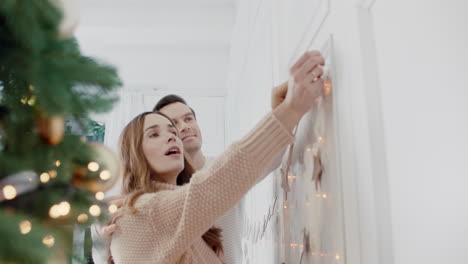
<point>51,129</point>
<point>103,172</point>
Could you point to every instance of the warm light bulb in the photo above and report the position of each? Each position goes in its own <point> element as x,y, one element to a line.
<point>93,166</point>
<point>54,211</point>
<point>105,175</point>
<point>53,174</point>
<point>64,208</point>
<point>95,210</point>
<point>337,257</point>
<point>112,208</point>
<point>57,163</point>
<point>320,139</point>
<point>45,177</point>
<point>48,241</point>
<point>32,100</point>
<point>291,177</point>
<point>82,218</point>
<point>25,227</point>
<point>324,196</point>
<point>9,191</point>
<point>327,87</point>
<point>99,196</point>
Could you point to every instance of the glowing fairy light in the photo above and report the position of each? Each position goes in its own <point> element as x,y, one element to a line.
<point>53,174</point>
<point>9,191</point>
<point>99,196</point>
<point>95,210</point>
<point>48,241</point>
<point>45,177</point>
<point>112,208</point>
<point>25,227</point>
<point>93,166</point>
<point>82,218</point>
<point>105,175</point>
<point>64,208</point>
<point>54,211</point>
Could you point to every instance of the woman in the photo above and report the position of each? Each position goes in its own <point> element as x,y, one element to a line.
<point>167,221</point>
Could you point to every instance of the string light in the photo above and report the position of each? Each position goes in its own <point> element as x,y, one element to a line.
<point>291,177</point>
<point>25,227</point>
<point>57,163</point>
<point>324,196</point>
<point>9,191</point>
<point>93,166</point>
<point>105,175</point>
<point>48,241</point>
<point>32,100</point>
<point>337,257</point>
<point>327,87</point>
<point>82,218</point>
<point>53,174</point>
<point>320,139</point>
<point>45,177</point>
<point>112,208</point>
<point>54,211</point>
<point>99,196</point>
<point>64,208</point>
<point>95,210</point>
<point>31,88</point>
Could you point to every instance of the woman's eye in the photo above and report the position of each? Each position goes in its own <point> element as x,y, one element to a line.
<point>188,119</point>
<point>153,135</point>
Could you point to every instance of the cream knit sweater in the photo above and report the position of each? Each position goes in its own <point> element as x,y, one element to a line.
<point>170,222</point>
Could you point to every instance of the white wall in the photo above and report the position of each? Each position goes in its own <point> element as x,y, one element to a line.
<point>401,91</point>
<point>422,50</point>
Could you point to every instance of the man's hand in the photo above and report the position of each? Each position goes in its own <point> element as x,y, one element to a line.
<point>278,94</point>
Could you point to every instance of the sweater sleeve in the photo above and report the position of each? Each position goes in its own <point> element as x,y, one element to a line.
<point>180,216</point>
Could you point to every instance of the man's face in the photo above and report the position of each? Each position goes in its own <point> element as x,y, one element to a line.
<point>186,124</point>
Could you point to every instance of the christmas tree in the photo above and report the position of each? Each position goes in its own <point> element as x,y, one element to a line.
<point>50,179</point>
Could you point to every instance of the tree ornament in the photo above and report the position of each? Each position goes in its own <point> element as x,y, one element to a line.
<point>99,174</point>
<point>22,182</point>
<point>51,129</point>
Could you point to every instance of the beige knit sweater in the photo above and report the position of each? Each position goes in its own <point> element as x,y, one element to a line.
<point>170,222</point>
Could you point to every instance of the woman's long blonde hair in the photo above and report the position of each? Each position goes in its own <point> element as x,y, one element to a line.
<point>137,173</point>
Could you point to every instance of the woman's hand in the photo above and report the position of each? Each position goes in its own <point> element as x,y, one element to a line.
<point>291,102</point>
<point>305,83</point>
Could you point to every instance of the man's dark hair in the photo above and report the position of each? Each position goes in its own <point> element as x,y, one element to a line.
<point>170,99</point>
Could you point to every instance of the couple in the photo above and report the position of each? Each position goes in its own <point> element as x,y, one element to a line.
<point>170,212</point>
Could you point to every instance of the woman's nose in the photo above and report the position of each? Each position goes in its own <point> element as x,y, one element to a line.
<point>172,138</point>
